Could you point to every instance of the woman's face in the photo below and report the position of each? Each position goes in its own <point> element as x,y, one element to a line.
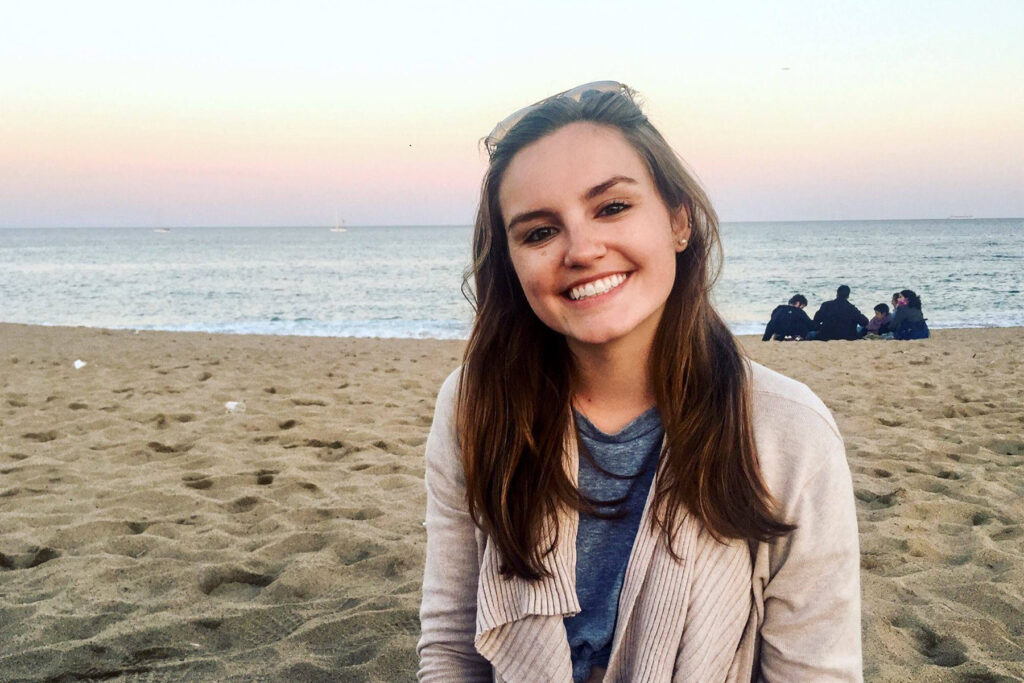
<point>591,240</point>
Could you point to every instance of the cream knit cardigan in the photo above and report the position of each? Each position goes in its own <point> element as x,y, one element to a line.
<point>782,611</point>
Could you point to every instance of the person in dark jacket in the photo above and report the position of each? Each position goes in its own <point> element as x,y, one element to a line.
<point>908,322</point>
<point>838,319</point>
<point>789,321</point>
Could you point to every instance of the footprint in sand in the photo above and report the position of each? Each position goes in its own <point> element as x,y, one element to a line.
<point>944,651</point>
<point>287,424</point>
<point>879,502</point>
<point>1006,447</point>
<point>41,437</point>
<point>1008,534</point>
<point>243,504</point>
<point>265,477</point>
<point>301,401</point>
<point>163,448</point>
<point>197,481</point>
<point>981,517</point>
<point>27,560</point>
<point>363,514</point>
<point>233,582</point>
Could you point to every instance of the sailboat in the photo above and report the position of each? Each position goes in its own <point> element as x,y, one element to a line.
<point>339,225</point>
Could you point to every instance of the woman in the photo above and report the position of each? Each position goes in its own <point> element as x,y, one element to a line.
<point>613,492</point>
<point>908,322</point>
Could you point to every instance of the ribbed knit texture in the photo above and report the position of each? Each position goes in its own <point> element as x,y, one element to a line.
<point>671,614</point>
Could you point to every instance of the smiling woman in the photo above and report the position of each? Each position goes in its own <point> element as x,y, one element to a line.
<point>601,221</point>
<point>613,491</point>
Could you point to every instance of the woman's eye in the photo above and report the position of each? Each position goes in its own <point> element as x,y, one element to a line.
<point>539,234</point>
<point>613,208</point>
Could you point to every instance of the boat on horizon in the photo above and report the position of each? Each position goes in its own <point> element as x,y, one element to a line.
<point>161,229</point>
<point>960,218</point>
<point>339,225</point>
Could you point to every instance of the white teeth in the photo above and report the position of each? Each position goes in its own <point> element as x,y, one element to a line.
<point>605,284</point>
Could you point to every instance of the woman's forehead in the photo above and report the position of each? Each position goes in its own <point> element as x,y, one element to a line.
<point>568,163</point>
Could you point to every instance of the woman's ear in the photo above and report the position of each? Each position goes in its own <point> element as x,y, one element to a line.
<point>682,225</point>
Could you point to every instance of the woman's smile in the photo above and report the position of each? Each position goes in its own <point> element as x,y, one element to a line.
<point>596,288</point>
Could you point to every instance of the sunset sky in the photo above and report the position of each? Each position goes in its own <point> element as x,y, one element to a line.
<point>260,113</point>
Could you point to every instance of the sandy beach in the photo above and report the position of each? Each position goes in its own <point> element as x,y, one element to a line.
<point>149,533</point>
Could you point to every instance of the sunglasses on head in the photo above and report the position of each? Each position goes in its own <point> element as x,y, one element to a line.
<point>575,94</point>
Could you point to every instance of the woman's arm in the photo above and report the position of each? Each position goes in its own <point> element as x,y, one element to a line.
<point>448,610</point>
<point>811,629</point>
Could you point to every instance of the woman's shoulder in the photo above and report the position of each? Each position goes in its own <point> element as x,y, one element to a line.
<point>448,393</point>
<point>781,397</point>
<point>795,433</point>
<point>441,440</point>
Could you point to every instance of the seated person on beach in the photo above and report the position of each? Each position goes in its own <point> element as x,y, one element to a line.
<point>614,491</point>
<point>789,322</point>
<point>879,323</point>
<point>908,322</point>
<point>838,318</point>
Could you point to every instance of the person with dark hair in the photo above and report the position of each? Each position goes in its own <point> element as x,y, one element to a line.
<point>789,322</point>
<point>908,322</point>
<point>879,323</point>
<point>838,318</point>
<point>614,492</point>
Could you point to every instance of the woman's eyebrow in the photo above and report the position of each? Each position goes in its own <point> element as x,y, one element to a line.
<point>597,190</point>
<point>529,216</point>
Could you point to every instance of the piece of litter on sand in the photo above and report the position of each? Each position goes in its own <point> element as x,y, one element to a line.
<point>235,406</point>
<point>79,364</point>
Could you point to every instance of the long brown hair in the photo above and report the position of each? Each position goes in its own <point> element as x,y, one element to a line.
<point>513,413</point>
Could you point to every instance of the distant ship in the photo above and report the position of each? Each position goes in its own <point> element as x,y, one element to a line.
<point>161,230</point>
<point>960,218</point>
<point>339,225</point>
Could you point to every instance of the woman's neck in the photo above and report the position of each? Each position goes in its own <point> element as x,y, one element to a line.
<point>612,385</point>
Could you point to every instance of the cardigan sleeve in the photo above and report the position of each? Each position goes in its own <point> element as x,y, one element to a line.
<point>811,629</point>
<point>448,609</point>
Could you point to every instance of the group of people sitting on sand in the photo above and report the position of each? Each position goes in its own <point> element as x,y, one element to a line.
<point>840,319</point>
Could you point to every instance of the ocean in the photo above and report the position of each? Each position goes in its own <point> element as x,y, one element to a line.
<point>405,281</point>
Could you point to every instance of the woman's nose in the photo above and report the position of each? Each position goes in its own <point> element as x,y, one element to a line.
<point>583,246</point>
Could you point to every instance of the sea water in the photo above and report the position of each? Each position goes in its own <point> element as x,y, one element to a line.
<point>406,281</point>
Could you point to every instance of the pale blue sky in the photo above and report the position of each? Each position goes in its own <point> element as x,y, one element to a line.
<point>258,113</point>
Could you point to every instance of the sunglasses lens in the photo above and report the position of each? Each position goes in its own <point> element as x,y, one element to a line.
<point>575,94</point>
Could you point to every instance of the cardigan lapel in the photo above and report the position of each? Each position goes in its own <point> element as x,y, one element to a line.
<point>658,602</point>
<point>520,627</point>
<point>519,623</point>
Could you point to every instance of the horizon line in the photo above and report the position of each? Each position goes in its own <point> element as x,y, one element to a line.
<point>464,225</point>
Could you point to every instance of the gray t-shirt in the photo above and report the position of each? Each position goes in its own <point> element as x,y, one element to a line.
<point>603,545</point>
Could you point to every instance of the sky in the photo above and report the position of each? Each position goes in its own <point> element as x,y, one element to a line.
<point>254,113</point>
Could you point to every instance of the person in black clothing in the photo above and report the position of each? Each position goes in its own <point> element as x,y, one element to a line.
<point>789,321</point>
<point>838,319</point>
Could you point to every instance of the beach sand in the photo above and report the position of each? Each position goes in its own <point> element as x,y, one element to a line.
<point>147,533</point>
